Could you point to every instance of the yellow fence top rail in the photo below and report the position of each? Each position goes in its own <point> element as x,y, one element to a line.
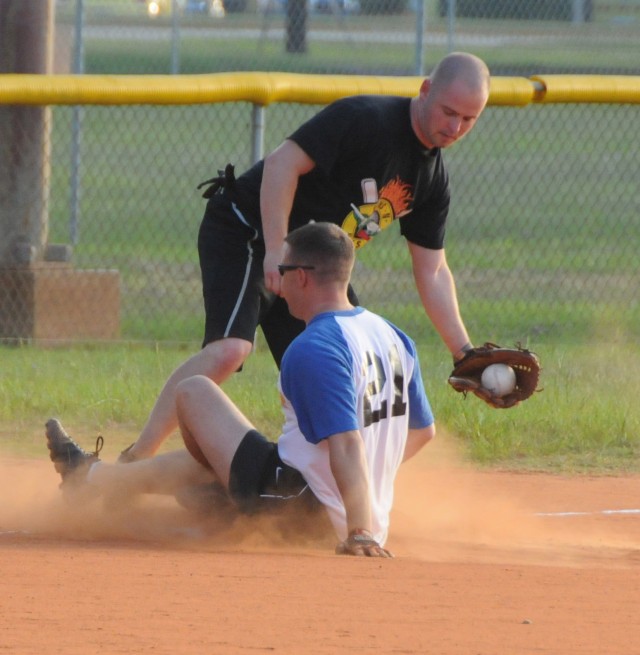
<point>266,88</point>
<point>612,89</point>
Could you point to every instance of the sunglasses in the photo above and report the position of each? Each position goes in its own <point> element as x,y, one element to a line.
<point>283,268</point>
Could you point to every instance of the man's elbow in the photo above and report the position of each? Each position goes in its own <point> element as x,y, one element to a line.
<point>425,435</point>
<point>417,439</point>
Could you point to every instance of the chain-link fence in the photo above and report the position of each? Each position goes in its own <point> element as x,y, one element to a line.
<point>389,37</point>
<point>544,227</point>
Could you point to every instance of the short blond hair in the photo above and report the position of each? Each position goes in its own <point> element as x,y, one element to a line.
<point>326,247</point>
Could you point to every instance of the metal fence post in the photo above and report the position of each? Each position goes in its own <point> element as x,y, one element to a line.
<point>175,37</point>
<point>258,114</point>
<point>451,25</point>
<point>578,13</point>
<point>421,27</point>
<point>76,128</point>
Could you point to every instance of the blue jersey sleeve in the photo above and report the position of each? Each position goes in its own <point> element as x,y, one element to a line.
<point>420,412</point>
<point>317,379</point>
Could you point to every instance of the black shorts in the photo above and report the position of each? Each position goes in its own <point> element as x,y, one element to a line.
<point>259,480</point>
<point>236,301</point>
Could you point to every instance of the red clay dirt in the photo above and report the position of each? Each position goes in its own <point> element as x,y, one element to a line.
<point>487,563</point>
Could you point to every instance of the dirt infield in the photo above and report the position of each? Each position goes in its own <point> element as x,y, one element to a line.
<point>486,563</point>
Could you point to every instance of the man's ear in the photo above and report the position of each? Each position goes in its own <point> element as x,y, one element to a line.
<point>425,86</point>
<point>301,277</point>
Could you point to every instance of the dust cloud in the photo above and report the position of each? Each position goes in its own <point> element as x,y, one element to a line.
<point>32,504</point>
<point>444,510</point>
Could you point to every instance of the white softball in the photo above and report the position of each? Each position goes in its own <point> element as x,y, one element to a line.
<point>499,379</point>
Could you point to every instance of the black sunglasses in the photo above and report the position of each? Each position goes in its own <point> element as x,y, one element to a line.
<point>283,268</point>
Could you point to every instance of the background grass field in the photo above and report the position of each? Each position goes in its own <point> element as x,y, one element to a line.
<point>585,419</point>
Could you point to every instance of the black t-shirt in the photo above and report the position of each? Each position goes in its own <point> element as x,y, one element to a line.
<point>370,171</point>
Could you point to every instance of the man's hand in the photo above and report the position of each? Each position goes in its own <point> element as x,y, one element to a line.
<point>271,274</point>
<point>361,544</point>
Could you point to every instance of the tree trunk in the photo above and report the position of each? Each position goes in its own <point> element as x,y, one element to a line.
<point>26,46</point>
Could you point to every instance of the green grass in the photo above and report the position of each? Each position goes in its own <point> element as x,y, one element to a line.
<point>585,420</point>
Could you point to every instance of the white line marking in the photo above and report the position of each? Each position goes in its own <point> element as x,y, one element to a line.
<point>604,511</point>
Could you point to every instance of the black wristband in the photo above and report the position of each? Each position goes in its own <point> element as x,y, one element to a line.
<point>462,352</point>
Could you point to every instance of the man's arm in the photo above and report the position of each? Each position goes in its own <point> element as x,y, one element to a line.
<point>417,439</point>
<point>350,470</point>
<point>437,290</point>
<point>282,168</point>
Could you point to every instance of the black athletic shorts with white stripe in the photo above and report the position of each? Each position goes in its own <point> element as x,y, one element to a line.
<point>235,299</point>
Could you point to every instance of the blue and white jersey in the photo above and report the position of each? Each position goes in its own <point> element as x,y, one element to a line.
<point>351,370</point>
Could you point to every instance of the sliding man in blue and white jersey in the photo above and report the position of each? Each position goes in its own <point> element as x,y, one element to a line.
<point>354,404</point>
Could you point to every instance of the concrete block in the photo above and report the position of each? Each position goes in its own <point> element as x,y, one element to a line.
<point>53,301</point>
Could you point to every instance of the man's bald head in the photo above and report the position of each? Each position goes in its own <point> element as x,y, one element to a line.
<point>461,67</point>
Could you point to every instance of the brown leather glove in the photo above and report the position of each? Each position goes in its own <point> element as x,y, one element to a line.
<point>467,373</point>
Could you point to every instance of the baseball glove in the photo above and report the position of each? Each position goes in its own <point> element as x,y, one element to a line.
<point>467,373</point>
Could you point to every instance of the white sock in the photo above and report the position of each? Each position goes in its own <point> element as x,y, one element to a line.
<point>91,472</point>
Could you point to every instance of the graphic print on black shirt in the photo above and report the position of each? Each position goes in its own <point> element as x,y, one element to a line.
<point>378,211</point>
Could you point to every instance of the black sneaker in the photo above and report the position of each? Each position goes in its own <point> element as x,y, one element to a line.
<point>68,458</point>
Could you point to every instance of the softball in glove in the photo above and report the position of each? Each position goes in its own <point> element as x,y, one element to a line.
<point>467,373</point>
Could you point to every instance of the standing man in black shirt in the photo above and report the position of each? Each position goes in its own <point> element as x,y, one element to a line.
<point>364,163</point>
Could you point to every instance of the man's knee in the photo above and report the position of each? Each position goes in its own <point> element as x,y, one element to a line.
<point>224,357</point>
<point>189,390</point>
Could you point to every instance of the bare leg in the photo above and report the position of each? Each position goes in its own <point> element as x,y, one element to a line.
<point>209,416</point>
<point>216,361</point>
<point>163,474</point>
